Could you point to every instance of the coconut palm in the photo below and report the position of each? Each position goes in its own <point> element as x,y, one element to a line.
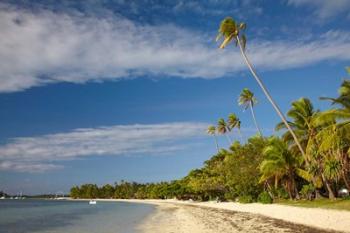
<point>234,122</point>
<point>303,122</point>
<point>247,100</point>
<point>223,129</point>
<point>232,31</point>
<point>279,164</point>
<point>341,131</point>
<point>343,100</point>
<point>311,131</point>
<point>212,131</point>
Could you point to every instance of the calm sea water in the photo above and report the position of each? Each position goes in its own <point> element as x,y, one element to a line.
<point>49,216</point>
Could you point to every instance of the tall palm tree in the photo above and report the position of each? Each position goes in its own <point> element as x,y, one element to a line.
<point>212,131</point>
<point>231,31</point>
<point>247,100</point>
<point>234,122</point>
<point>223,129</point>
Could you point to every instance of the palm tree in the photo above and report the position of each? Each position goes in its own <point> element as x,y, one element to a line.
<point>212,131</point>
<point>343,100</point>
<point>341,131</point>
<point>234,122</point>
<point>235,32</point>
<point>303,123</point>
<point>223,129</point>
<point>310,130</point>
<point>279,164</point>
<point>247,100</point>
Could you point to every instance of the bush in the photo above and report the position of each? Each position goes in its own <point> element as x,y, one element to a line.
<point>282,193</point>
<point>229,196</point>
<point>264,198</point>
<point>307,191</point>
<point>246,199</point>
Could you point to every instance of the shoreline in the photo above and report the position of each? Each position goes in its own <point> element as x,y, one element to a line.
<point>322,219</point>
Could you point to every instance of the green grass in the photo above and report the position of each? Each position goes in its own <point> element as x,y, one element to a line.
<point>339,204</point>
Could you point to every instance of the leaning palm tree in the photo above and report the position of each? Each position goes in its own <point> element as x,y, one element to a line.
<point>212,131</point>
<point>223,129</point>
<point>247,100</point>
<point>231,31</point>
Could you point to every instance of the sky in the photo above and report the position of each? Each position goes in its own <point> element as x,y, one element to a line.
<point>110,90</point>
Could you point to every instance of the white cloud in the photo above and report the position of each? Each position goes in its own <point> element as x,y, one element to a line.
<point>324,8</point>
<point>42,47</point>
<point>27,167</point>
<point>42,152</point>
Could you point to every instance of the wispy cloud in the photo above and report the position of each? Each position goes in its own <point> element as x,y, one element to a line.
<point>19,166</point>
<point>41,153</point>
<point>324,9</point>
<point>42,47</point>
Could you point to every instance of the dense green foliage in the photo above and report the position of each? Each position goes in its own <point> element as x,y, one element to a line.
<point>263,168</point>
<point>264,198</point>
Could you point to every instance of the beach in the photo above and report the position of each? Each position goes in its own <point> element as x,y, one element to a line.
<point>209,217</point>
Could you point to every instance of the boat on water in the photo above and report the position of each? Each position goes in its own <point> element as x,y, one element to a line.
<point>92,202</point>
<point>3,197</point>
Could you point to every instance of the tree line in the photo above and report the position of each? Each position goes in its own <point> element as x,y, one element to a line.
<point>262,167</point>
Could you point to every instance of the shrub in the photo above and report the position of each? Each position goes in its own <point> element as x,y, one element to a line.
<point>307,191</point>
<point>246,199</point>
<point>282,193</point>
<point>229,196</point>
<point>264,198</point>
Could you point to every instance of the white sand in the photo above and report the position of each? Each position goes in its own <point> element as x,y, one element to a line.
<point>336,220</point>
<point>207,217</point>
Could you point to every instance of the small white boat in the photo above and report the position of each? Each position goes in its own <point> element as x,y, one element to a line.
<point>3,197</point>
<point>92,202</point>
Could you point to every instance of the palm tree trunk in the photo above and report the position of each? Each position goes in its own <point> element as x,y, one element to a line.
<point>345,170</point>
<point>329,188</point>
<point>270,98</point>
<point>293,185</point>
<point>216,143</point>
<point>289,189</point>
<point>228,136</point>
<point>345,179</point>
<point>240,134</point>
<point>255,122</point>
<point>276,182</point>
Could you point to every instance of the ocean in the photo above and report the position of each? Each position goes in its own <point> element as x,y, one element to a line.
<point>52,216</point>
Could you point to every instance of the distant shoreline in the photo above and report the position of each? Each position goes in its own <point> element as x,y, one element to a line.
<point>325,219</point>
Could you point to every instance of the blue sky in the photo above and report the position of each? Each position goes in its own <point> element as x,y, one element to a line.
<point>99,91</point>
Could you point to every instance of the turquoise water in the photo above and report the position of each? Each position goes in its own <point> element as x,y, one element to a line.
<point>49,216</point>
